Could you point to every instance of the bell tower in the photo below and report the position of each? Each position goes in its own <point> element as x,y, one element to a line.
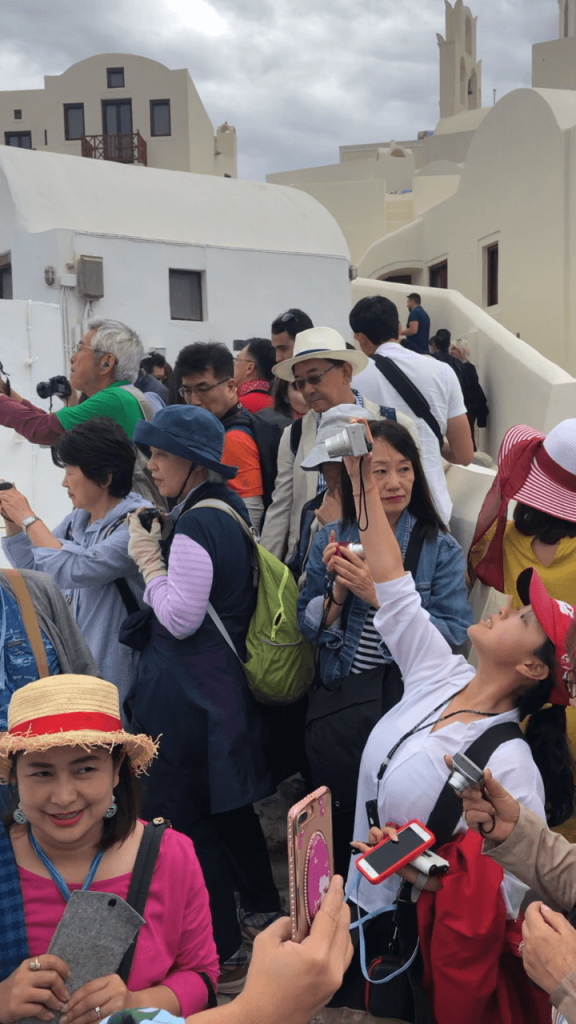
<point>460,72</point>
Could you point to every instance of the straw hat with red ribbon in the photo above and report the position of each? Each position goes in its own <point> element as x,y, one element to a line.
<point>536,469</point>
<point>70,711</point>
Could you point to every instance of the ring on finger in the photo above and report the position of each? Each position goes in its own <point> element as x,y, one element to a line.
<point>98,1012</point>
<point>520,948</point>
<point>35,964</point>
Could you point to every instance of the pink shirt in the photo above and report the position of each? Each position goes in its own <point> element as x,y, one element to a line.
<point>176,940</point>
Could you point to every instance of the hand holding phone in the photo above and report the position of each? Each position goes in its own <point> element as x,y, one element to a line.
<point>388,857</point>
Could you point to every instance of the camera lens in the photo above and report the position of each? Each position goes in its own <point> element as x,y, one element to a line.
<point>44,389</point>
<point>338,445</point>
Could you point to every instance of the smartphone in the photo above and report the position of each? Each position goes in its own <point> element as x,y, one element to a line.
<point>387,857</point>
<point>5,485</point>
<point>310,858</point>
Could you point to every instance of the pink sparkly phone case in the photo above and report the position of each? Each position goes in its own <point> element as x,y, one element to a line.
<point>310,858</point>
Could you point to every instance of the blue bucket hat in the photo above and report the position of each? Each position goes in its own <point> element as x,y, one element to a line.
<point>188,431</point>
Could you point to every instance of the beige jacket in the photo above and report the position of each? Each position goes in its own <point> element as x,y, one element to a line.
<point>546,862</point>
<point>295,486</point>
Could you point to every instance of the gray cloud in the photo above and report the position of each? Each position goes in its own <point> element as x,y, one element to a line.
<point>297,78</point>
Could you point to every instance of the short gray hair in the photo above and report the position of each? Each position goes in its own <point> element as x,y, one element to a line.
<point>122,342</point>
<point>216,478</point>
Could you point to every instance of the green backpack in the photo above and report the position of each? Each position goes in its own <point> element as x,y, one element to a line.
<point>280,664</point>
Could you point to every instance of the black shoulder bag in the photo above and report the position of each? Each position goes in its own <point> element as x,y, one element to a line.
<point>412,395</point>
<point>404,997</point>
<point>138,895</point>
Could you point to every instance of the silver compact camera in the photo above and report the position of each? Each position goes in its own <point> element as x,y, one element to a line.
<point>350,441</point>
<point>465,774</point>
<point>356,549</point>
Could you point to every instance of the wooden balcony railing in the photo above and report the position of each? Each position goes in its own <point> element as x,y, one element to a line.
<point>126,148</point>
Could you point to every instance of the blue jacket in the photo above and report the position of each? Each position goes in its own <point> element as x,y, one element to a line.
<point>439,581</point>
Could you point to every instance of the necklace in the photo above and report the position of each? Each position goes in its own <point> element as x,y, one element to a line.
<point>425,724</point>
<point>55,874</point>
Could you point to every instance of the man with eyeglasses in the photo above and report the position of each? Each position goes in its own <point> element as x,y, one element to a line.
<point>322,367</point>
<point>206,370</point>
<point>103,367</point>
<point>284,331</point>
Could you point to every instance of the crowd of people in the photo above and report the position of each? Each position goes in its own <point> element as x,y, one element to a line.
<point>125,705</point>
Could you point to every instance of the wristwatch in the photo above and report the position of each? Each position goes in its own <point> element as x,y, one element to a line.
<point>28,522</point>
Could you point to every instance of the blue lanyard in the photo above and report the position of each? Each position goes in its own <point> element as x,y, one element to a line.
<point>353,891</point>
<point>55,874</point>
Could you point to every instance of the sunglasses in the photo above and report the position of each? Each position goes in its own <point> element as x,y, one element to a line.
<point>313,379</point>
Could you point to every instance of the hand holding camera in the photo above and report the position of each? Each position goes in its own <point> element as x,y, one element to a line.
<point>489,810</point>
<point>351,571</point>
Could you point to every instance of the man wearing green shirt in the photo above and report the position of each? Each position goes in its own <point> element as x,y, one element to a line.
<point>107,359</point>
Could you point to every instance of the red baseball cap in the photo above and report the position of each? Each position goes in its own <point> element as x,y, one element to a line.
<point>555,617</point>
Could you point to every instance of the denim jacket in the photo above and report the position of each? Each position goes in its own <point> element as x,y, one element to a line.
<point>439,581</point>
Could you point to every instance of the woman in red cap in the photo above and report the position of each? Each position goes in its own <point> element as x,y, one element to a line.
<point>465,925</point>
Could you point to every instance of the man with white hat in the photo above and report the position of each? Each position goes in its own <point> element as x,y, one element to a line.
<point>322,368</point>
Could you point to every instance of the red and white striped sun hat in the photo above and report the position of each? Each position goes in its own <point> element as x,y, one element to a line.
<point>551,482</point>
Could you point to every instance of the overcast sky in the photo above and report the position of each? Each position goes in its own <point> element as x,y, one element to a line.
<point>297,78</point>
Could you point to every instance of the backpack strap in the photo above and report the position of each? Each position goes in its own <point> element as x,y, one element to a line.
<point>29,619</point>
<point>140,882</point>
<point>407,390</point>
<point>448,808</point>
<point>145,407</point>
<point>295,436</point>
<point>414,549</point>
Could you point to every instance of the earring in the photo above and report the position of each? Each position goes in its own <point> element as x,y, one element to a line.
<point>112,809</point>
<point>19,816</point>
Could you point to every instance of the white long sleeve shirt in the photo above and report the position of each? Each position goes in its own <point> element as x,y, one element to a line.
<point>417,773</point>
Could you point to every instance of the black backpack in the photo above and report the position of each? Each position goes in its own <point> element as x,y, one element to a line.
<point>265,428</point>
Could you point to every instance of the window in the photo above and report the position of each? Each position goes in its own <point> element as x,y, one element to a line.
<point>73,120</point>
<point>468,37</point>
<point>397,278</point>
<point>160,117</point>
<point>185,294</point>
<point>21,139</point>
<point>115,78</point>
<point>17,115</point>
<point>491,274</point>
<point>438,275</point>
<point>5,276</point>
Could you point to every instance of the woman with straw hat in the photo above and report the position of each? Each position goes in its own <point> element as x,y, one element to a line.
<point>77,827</point>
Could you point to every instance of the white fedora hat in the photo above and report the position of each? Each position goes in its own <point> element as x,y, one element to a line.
<point>322,343</point>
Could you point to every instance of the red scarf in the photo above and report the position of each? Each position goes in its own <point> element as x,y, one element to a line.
<point>512,473</point>
<point>252,385</point>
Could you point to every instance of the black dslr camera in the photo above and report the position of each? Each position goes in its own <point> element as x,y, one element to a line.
<point>55,386</point>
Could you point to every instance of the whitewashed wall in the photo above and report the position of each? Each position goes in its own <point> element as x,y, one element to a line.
<point>31,351</point>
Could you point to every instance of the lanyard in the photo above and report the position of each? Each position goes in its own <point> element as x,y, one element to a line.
<point>55,874</point>
<point>425,724</point>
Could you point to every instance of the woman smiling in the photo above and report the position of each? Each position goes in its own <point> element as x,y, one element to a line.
<point>77,827</point>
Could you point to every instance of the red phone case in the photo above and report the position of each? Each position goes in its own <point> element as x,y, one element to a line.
<point>426,844</point>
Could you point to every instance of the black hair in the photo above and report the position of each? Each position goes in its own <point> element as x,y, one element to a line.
<point>102,451</point>
<point>376,318</point>
<point>548,742</point>
<point>263,353</point>
<point>146,364</point>
<point>442,340</point>
<point>292,321</point>
<point>546,528</point>
<point>157,359</point>
<point>415,296</point>
<point>202,356</point>
<point>121,826</point>
<point>421,504</point>
<point>280,393</point>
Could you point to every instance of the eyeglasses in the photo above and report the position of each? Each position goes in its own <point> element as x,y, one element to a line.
<point>80,347</point>
<point>313,379</point>
<point>200,389</point>
<point>237,359</point>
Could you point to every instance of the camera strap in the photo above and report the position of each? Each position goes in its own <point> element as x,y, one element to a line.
<point>447,810</point>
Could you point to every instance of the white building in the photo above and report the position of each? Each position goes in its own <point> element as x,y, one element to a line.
<point>488,200</point>
<point>179,257</point>
<point>118,106</point>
